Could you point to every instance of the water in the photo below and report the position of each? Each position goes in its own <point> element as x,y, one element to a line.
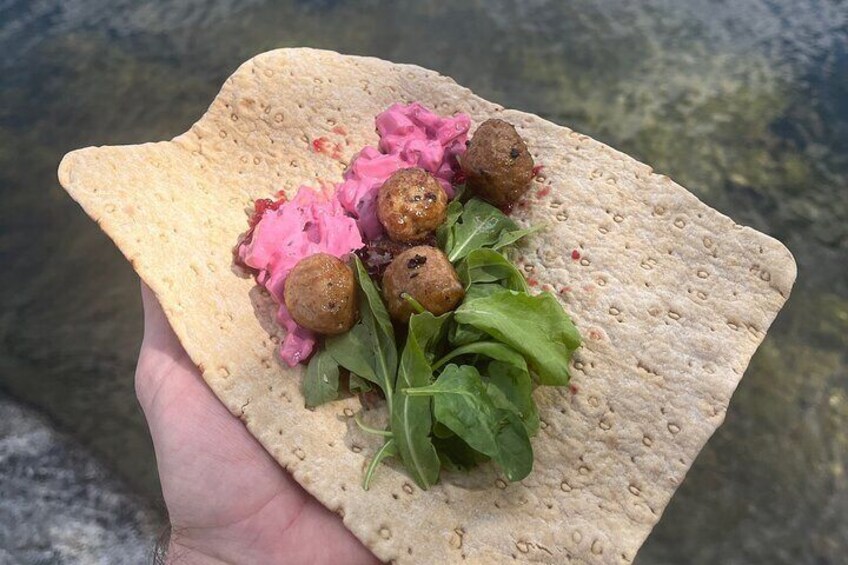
<point>83,515</point>
<point>745,103</point>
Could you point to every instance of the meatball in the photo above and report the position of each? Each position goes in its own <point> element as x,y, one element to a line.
<point>425,274</point>
<point>497,165</point>
<point>411,204</point>
<point>320,294</point>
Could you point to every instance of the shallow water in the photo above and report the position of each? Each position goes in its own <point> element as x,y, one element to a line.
<point>744,103</point>
<point>83,514</point>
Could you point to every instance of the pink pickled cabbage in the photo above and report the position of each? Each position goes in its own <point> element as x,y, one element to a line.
<point>312,222</point>
<point>410,136</point>
<point>315,222</point>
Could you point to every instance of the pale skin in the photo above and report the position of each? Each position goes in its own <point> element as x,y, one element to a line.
<point>228,500</point>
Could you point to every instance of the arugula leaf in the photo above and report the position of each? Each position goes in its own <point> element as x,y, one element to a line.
<point>507,382</point>
<point>376,319</point>
<point>490,266</point>
<point>482,290</point>
<point>460,402</point>
<point>389,449</point>
<point>444,233</point>
<point>456,455</point>
<point>368,349</point>
<point>416,306</point>
<point>508,238</point>
<point>535,326</point>
<point>410,420</point>
<point>462,334</point>
<point>484,272</point>
<point>515,452</point>
<point>369,430</point>
<point>491,349</point>
<point>441,431</point>
<point>478,225</point>
<point>358,385</point>
<point>321,382</point>
<point>511,388</point>
<point>353,351</point>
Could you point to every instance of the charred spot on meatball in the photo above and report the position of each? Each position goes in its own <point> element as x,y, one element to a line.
<point>411,204</point>
<point>378,253</point>
<point>320,294</point>
<point>426,275</point>
<point>498,166</point>
<point>416,261</point>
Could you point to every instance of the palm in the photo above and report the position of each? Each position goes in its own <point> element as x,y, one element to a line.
<point>227,499</point>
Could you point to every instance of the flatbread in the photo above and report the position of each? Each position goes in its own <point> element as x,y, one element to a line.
<point>671,296</point>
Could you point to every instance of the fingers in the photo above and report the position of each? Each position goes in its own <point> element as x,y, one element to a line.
<point>158,334</point>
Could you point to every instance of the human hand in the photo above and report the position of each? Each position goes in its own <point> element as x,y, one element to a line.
<point>228,500</point>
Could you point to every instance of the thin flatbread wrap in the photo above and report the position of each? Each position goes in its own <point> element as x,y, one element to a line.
<point>672,299</point>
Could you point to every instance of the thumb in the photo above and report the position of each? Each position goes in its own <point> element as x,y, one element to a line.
<point>160,352</point>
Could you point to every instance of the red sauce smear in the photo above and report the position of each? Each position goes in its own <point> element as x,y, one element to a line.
<point>319,145</point>
<point>544,191</point>
<point>575,255</point>
<point>340,130</point>
<point>326,147</point>
<point>537,169</point>
<point>573,389</point>
<point>263,205</point>
<point>532,282</point>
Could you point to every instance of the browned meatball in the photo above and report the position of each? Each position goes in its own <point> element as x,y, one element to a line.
<point>411,204</point>
<point>497,165</point>
<point>425,274</point>
<point>320,294</point>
